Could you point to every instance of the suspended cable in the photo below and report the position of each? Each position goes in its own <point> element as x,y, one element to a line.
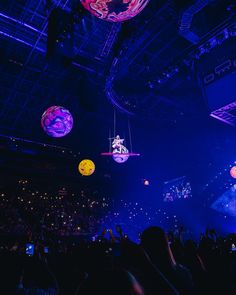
<point>120,153</point>
<point>114,122</point>
<point>109,140</point>
<point>130,138</point>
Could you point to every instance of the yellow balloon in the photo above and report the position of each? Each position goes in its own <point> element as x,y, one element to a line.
<point>86,167</point>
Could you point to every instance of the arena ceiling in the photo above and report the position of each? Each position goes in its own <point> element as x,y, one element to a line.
<point>146,67</point>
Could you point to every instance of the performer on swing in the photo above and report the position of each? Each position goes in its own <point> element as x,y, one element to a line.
<point>118,146</point>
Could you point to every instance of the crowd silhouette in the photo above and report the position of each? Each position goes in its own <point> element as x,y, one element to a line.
<point>92,259</point>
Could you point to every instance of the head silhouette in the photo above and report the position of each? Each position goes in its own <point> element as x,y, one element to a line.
<point>154,241</point>
<point>115,282</point>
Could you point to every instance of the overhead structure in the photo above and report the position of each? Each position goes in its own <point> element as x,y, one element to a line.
<point>187,19</point>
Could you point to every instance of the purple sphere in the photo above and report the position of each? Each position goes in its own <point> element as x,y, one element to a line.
<point>57,121</point>
<point>120,158</point>
<point>115,10</point>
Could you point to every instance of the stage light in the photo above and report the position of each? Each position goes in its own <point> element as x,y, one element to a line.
<point>115,11</point>
<point>146,182</point>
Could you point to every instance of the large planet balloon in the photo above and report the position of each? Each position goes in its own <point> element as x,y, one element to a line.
<point>233,172</point>
<point>86,167</point>
<point>57,121</point>
<point>115,10</point>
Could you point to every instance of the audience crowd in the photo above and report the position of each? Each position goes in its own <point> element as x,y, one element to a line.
<point>50,246</point>
<point>57,211</point>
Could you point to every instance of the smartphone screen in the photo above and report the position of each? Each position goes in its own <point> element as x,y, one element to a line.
<point>29,249</point>
<point>46,250</point>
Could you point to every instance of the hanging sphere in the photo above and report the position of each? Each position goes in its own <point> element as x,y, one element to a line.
<point>233,172</point>
<point>57,121</point>
<point>115,10</point>
<point>120,158</point>
<point>86,167</point>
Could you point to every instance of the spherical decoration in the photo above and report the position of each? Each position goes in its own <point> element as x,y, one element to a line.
<point>86,167</point>
<point>57,121</point>
<point>120,158</point>
<point>233,172</point>
<point>115,10</point>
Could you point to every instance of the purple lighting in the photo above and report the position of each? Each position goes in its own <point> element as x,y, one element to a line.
<point>226,203</point>
<point>224,114</point>
<point>21,41</point>
<point>21,23</point>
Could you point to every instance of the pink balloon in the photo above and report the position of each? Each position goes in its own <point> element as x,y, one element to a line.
<point>115,10</point>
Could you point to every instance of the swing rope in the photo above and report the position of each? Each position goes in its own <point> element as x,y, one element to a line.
<point>114,122</point>
<point>130,138</point>
<point>109,140</point>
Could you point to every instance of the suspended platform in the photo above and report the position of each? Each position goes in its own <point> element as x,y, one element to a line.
<point>123,154</point>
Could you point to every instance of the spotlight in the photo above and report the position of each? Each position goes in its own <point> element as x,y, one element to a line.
<point>146,182</point>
